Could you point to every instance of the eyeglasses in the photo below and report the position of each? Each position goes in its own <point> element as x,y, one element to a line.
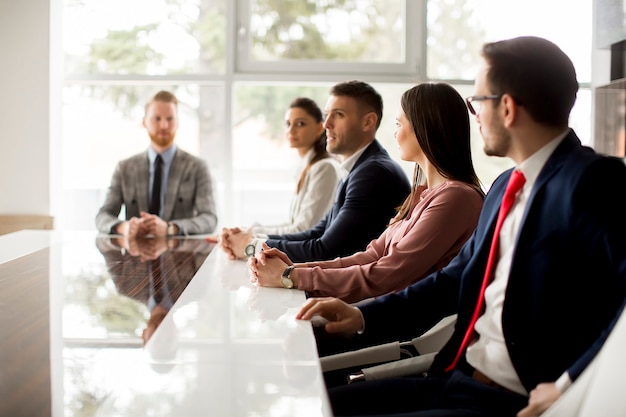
<point>475,108</point>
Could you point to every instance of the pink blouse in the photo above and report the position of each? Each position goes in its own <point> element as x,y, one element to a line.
<point>439,224</point>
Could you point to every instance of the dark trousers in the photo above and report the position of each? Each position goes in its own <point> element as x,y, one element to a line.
<point>453,394</point>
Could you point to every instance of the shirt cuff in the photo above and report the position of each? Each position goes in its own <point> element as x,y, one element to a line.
<point>362,321</point>
<point>258,244</point>
<point>563,383</point>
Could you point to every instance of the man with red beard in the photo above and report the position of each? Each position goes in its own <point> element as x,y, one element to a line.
<point>165,190</point>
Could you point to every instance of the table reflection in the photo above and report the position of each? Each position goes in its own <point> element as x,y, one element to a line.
<point>79,335</point>
<point>155,272</point>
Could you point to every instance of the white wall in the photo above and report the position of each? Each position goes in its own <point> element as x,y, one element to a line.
<point>24,106</point>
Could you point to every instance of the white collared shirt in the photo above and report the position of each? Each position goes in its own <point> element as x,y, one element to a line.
<point>349,162</point>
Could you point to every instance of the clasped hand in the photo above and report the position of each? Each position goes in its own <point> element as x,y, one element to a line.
<point>146,225</point>
<point>233,241</point>
<point>267,266</point>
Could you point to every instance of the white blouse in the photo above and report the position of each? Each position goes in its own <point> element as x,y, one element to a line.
<point>315,198</point>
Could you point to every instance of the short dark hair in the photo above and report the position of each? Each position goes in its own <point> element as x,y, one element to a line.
<point>368,98</point>
<point>164,97</point>
<point>536,73</point>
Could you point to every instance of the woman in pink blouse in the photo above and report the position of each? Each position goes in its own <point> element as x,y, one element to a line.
<point>430,227</point>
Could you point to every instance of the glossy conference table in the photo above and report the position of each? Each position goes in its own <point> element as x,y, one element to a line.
<point>74,309</point>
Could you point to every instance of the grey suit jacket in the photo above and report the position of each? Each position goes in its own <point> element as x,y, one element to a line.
<point>189,201</point>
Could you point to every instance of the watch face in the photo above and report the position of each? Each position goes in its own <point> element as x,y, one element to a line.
<point>287,283</point>
<point>250,250</point>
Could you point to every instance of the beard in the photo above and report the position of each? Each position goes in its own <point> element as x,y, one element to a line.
<point>161,140</point>
<point>497,141</point>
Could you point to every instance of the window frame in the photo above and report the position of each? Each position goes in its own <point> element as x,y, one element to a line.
<point>414,53</point>
<point>219,152</point>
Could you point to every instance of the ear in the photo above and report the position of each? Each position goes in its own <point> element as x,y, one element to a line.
<point>369,121</point>
<point>143,122</point>
<point>320,129</point>
<point>509,109</point>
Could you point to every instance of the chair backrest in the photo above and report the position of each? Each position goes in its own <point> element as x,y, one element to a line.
<point>427,346</point>
<point>14,222</point>
<point>434,338</point>
<point>429,342</point>
<point>365,356</point>
<point>598,391</point>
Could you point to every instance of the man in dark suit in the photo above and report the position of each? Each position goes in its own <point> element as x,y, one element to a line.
<point>183,203</point>
<point>559,278</point>
<point>367,198</point>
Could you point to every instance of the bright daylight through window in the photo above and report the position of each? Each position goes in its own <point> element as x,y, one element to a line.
<point>236,78</point>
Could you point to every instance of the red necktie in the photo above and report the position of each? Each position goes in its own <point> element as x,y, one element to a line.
<point>516,182</point>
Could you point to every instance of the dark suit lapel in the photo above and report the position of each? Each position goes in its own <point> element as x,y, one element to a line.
<point>551,168</point>
<point>555,162</point>
<point>371,149</point>
<point>497,190</point>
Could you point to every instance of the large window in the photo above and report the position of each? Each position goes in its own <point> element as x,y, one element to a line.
<point>145,37</point>
<point>457,29</point>
<point>343,37</point>
<point>236,65</point>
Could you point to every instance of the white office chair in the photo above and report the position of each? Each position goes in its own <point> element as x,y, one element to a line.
<point>598,391</point>
<point>389,355</point>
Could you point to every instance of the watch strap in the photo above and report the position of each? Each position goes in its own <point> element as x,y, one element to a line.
<point>285,278</point>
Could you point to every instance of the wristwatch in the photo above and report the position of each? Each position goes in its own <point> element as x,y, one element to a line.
<point>284,278</point>
<point>171,229</point>
<point>250,250</point>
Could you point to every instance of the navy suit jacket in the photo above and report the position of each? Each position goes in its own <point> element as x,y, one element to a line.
<point>365,203</point>
<point>568,274</point>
